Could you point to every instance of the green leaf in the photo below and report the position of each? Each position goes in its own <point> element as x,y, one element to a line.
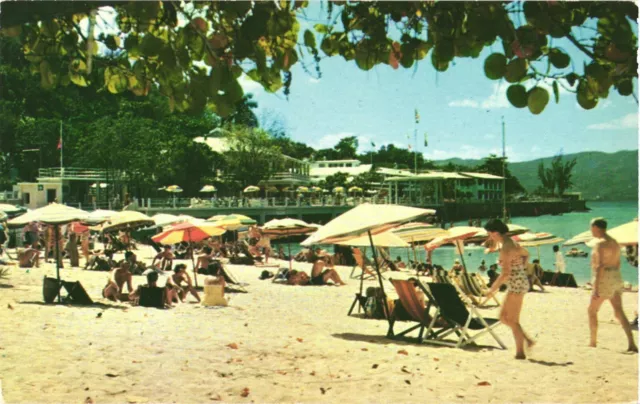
<point>537,100</point>
<point>117,84</point>
<point>516,70</point>
<point>365,57</point>
<point>556,91</point>
<point>559,59</point>
<point>321,28</point>
<point>112,42</point>
<point>517,95</point>
<point>47,77</point>
<point>78,79</point>
<point>309,39</point>
<point>495,66</point>
<point>329,46</point>
<point>151,45</point>
<point>625,87</point>
<point>585,99</point>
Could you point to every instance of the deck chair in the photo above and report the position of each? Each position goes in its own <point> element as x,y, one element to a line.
<point>362,264</point>
<point>480,285</point>
<point>229,278</point>
<point>415,307</point>
<point>460,318</point>
<point>152,297</point>
<point>76,294</point>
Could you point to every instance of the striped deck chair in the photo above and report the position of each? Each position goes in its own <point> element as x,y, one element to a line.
<point>462,319</point>
<point>442,276</point>
<point>481,286</point>
<point>363,265</point>
<point>415,307</point>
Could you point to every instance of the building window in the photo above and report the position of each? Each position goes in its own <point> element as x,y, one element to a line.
<point>26,197</point>
<point>348,165</point>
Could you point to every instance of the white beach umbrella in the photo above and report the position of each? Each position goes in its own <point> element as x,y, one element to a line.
<point>100,215</point>
<point>10,209</point>
<point>285,228</point>
<point>386,239</point>
<point>626,234</point>
<point>54,213</point>
<point>165,219</point>
<point>127,220</point>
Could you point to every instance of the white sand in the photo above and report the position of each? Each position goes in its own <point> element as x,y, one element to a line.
<point>295,344</point>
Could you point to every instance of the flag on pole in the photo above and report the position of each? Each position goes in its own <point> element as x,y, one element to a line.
<point>417,116</point>
<point>426,143</point>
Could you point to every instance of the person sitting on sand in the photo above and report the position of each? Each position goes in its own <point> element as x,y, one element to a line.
<point>204,261</point>
<point>104,263</point>
<point>607,282</point>
<point>482,267</point>
<point>320,277</point>
<point>152,282</point>
<point>398,262</point>
<point>29,257</point>
<point>180,275</point>
<point>533,269</point>
<point>166,258</point>
<point>456,269</point>
<point>118,277</point>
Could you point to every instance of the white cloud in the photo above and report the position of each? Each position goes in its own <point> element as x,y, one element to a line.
<point>469,152</point>
<point>489,136</point>
<point>313,80</point>
<point>629,121</point>
<point>248,85</point>
<point>464,103</point>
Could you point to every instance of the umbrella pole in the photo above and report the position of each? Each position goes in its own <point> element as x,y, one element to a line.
<point>57,230</point>
<point>384,295</point>
<point>193,263</point>
<point>290,258</point>
<point>538,248</point>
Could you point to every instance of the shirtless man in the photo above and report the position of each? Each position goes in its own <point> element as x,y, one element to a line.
<point>118,277</point>
<point>320,276</point>
<point>175,281</point>
<point>152,282</point>
<point>29,257</point>
<point>607,282</point>
<point>202,265</point>
<point>166,259</point>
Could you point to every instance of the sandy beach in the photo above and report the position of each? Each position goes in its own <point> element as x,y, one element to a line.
<point>282,343</point>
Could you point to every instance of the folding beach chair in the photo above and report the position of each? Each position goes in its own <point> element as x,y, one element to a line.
<point>152,297</point>
<point>76,294</point>
<point>362,265</point>
<point>415,307</point>
<point>229,278</point>
<point>480,285</point>
<point>460,319</point>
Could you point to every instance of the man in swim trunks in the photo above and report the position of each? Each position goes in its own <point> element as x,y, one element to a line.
<point>607,282</point>
<point>118,277</point>
<point>320,277</point>
<point>152,282</point>
<point>175,281</point>
<point>204,261</point>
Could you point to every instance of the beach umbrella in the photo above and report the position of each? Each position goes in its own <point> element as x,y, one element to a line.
<point>338,190</point>
<point>3,216</point>
<point>215,218</point>
<point>302,189</point>
<point>626,234</point>
<point>208,188</point>
<point>250,189</point>
<point>127,220</point>
<point>355,189</point>
<point>174,189</point>
<point>234,222</point>
<point>367,219</point>
<point>536,240</point>
<point>416,232</point>
<point>581,238</point>
<point>287,227</point>
<point>99,216</point>
<point>190,233</point>
<point>386,239</point>
<point>455,235</point>
<point>10,209</point>
<point>271,189</point>
<point>317,189</point>
<point>101,185</point>
<point>54,214</point>
<point>372,191</point>
<point>164,219</point>
<point>515,229</point>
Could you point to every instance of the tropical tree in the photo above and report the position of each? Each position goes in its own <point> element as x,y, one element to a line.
<point>252,156</point>
<point>494,165</point>
<point>367,180</point>
<point>168,44</point>
<point>562,173</point>
<point>338,179</point>
<point>547,179</point>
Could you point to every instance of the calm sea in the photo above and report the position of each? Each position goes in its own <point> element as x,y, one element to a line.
<point>565,226</point>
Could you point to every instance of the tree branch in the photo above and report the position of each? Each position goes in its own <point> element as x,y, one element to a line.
<point>578,45</point>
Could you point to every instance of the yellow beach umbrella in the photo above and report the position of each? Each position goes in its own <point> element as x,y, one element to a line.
<point>355,189</point>
<point>173,189</point>
<point>338,190</point>
<point>316,189</point>
<point>208,188</point>
<point>250,189</point>
<point>302,189</point>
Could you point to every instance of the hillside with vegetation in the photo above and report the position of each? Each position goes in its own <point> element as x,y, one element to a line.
<point>598,175</point>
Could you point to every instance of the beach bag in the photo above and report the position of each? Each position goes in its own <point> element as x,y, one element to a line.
<point>373,307</point>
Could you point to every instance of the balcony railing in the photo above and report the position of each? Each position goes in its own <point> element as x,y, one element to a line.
<point>73,173</point>
<point>286,176</point>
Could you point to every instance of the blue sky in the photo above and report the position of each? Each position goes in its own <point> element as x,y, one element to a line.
<point>460,110</point>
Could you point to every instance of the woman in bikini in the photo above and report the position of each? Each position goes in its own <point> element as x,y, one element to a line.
<point>513,259</point>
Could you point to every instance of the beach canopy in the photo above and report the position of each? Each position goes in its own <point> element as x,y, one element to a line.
<point>271,188</point>
<point>234,222</point>
<point>251,188</point>
<point>287,227</point>
<point>173,189</point>
<point>302,189</point>
<point>127,220</point>
<point>416,232</point>
<point>338,190</point>
<point>355,189</point>
<point>626,234</point>
<point>537,239</point>
<point>452,235</point>
<point>10,209</point>
<point>386,239</point>
<point>164,219</point>
<point>54,213</point>
<point>99,216</point>
<point>208,188</point>
<point>188,232</point>
<point>101,185</point>
<point>3,216</point>
<point>362,219</point>
<point>317,189</point>
<point>215,218</point>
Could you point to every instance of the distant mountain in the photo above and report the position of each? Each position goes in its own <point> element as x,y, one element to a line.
<point>598,175</point>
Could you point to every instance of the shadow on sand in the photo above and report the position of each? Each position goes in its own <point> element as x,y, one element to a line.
<point>382,340</point>
<point>547,363</point>
<point>95,305</point>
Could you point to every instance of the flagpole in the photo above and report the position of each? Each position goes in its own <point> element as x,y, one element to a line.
<point>61,164</point>
<point>415,142</point>
<point>504,180</point>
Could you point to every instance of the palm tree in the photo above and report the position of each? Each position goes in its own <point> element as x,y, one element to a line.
<point>546,177</point>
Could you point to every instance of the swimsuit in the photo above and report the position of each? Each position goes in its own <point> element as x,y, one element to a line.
<point>610,282</point>
<point>318,280</point>
<point>518,281</point>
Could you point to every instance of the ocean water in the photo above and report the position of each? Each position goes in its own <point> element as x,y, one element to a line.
<point>565,226</point>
